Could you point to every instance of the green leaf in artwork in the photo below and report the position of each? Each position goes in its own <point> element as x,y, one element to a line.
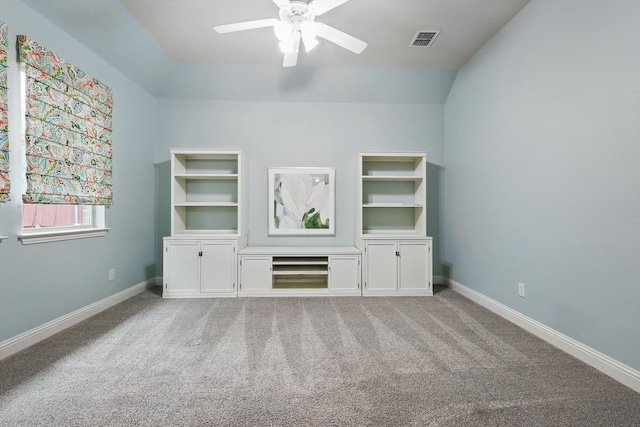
<point>312,220</point>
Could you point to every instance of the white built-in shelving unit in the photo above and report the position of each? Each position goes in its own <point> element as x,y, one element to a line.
<point>208,223</point>
<point>207,253</point>
<point>393,194</point>
<point>206,192</point>
<point>392,224</point>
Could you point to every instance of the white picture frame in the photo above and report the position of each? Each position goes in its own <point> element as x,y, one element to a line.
<point>301,201</point>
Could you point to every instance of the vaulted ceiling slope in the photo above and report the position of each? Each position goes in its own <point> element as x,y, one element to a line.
<point>169,47</point>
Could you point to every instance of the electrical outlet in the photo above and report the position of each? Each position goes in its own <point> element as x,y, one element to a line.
<point>112,275</point>
<point>522,291</point>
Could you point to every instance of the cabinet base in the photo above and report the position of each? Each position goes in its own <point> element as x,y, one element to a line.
<point>398,294</point>
<point>169,294</point>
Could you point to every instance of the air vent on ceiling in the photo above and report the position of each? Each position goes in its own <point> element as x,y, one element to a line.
<point>424,38</point>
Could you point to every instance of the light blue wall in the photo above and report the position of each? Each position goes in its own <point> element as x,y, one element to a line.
<point>542,141</point>
<point>308,84</point>
<point>39,283</point>
<point>280,134</point>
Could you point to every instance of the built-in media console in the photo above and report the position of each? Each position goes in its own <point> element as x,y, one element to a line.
<point>296,271</point>
<point>207,254</point>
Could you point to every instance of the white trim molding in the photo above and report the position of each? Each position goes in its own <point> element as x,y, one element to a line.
<point>30,238</point>
<point>42,332</point>
<point>618,371</point>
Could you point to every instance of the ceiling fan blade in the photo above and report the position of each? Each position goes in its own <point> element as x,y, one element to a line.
<point>291,58</point>
<point>318,7</point>
<point>309,43</point>
<point>249,25</point>
<point>282,3</point>
<point>341,39</point>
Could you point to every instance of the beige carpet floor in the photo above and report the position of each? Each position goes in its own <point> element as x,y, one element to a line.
<point>343,361</point>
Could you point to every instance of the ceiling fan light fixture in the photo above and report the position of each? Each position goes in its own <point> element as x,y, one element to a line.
<point>309,29</point>
<point>290,45</point>
<point>283,30</point>
<point>286,46</point>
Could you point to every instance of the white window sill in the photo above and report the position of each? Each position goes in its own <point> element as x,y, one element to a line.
<point>30,238</point>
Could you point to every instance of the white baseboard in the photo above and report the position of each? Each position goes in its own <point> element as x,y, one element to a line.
<point>605,364</point>
<point>42,332</point>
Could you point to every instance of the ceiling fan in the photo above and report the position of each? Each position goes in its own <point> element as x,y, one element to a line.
<point>296,23</point>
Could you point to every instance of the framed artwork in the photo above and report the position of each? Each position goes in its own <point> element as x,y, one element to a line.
<point>301,201</point>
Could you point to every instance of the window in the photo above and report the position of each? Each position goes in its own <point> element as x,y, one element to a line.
<point>45,223</point>
<point>40,216</point>
<point>66,150</point>
<point>51,223</point>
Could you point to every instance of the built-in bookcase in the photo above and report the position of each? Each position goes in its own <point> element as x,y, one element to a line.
<point>208,224</point>
<point>206,192</point>
<point>392,224</point>
<point>392,194</point>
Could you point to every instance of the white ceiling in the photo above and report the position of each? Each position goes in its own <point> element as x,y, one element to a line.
<point>140,37</point>
<point>184,30</point>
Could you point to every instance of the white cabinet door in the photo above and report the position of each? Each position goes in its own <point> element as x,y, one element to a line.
<point>217,266</point>
<point>181,267</point>
<point>401,267</point>
<point>344,274</point>
<point>255,274</point>
<point>199,268</point>
<point>413,272</point>
<point>381,266</point>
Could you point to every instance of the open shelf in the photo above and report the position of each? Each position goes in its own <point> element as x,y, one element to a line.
<point>205,218</point>
<point>206,176</point>
<point>390,178</point>
<point>392,194</point>
<point>394,191</point>
<point>205,192</point>
<point>300,272</point>
<point>205,163</point>
<point>297,270</point>
<point>300,260</point>
<point>300,282</point>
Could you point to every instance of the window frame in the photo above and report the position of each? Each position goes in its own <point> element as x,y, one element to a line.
<point>58,233</point>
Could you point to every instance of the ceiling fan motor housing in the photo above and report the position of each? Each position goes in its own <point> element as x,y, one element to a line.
<point>296,13</point>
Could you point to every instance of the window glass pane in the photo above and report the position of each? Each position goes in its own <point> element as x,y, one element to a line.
<point>35,216</point>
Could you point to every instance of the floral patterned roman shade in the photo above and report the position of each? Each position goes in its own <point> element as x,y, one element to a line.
<point>5,184</point>
<point>68,131</point>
